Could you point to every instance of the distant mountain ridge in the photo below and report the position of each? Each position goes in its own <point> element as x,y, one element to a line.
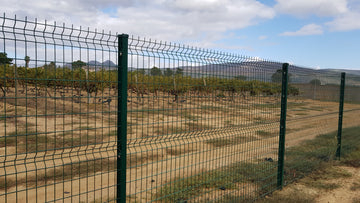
<point>253,70</point>
<point>107,64</point>
<point>263,70</point>
<point>348,71</point>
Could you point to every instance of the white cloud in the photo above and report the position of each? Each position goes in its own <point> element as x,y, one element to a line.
<point>344,14</point>
<point>346,22</point>
<point>303,8</point>
<point>172,20</point>
<point>263,37</point>
<point>311,29</point>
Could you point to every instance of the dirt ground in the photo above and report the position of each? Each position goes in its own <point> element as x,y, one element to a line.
<point>344,193</point>
<point>347,192</point>
<point>166,140</point>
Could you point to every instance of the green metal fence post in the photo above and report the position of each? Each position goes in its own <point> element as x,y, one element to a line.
<point>284,89</point>
<point>341,110</point>
<point>122,117</point>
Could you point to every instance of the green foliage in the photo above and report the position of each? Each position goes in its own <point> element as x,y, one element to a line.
<point>4,59</point>
<point>139,71</point>
<point>50,76</point>
<point>155,71</point>
<point>27,60</point>
<point>315,82</point>
<point>179,72</point>
<point>313,154</point>
<point>277,76</point>
<point>78,64</point>
<point>51,67</point>
<point>168,72</point>
<point>240,77</point>
<point>262,175</point>
<point>304,159</point>
<point>294,91</point>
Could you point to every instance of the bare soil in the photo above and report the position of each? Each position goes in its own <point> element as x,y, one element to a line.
<point>166,140</point>
<point>347,190</point>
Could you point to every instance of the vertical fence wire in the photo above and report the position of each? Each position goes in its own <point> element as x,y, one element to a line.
<point>201,125</point>
<point>58,134</point>
<point>204,124</point>
<point>312,121</point>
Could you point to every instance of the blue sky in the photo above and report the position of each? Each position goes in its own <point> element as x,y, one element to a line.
<point>326,50</point>
<point>311,33</point>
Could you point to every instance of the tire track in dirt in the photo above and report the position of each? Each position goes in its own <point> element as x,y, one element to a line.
<point>141,176</point>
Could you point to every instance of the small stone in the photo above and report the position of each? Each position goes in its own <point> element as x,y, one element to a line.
<point>269,159</point>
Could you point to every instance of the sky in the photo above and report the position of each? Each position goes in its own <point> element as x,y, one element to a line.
<point>310,33</point>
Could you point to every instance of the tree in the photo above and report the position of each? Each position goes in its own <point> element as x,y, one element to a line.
<point>27,60</point>
<point>50,67</point>
<point>140,71</point>
<point>78,64</point>
<point>155,71</point>
<point>277,76</point>
<point>316,82</point>
<point>179,71</point>
<point>168,72</point>
<point>240,77</point>
<point>4,59</point>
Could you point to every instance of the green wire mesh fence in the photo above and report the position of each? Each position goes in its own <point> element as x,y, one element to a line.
<point>58,113</point>
<point>202,124</point>
<point>99,117</point>
<point>313,120</point>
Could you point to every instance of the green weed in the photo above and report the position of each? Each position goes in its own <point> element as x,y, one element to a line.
<point>263,133</point>
<point>181,189</point>
<point>310,157</point>
<point>222,142</point>
<point>355,186</point>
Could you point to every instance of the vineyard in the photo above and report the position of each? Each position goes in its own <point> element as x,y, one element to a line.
<point>49,78</point>
<point>165,123</point>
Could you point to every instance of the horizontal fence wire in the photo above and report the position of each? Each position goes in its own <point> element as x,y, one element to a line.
<point>202,125</point>
<point>199,122</point>
<point>312,119</point>
<point>57,113</point>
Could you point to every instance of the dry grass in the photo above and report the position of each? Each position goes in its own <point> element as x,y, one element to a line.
<point>222,142</point>
<point>295,196</point>
<point>76,170</point>
<point>356,200</point>
<point>263,133</point>
<point>68,171</point>
<point>32,141</point>
<point>355,186</point>
<point>176,151</point>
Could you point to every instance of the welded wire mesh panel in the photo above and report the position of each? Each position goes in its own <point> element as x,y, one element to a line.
<point>314,107</point>
<point>57,112</point>
<point>312,120</point>
<point>203,125</point>
<point>351,98</point>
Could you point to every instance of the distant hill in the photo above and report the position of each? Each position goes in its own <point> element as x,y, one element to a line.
<point>351,72</point>
<point>252,70</point>
<point>108,65</point>
<point>263,70</point>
